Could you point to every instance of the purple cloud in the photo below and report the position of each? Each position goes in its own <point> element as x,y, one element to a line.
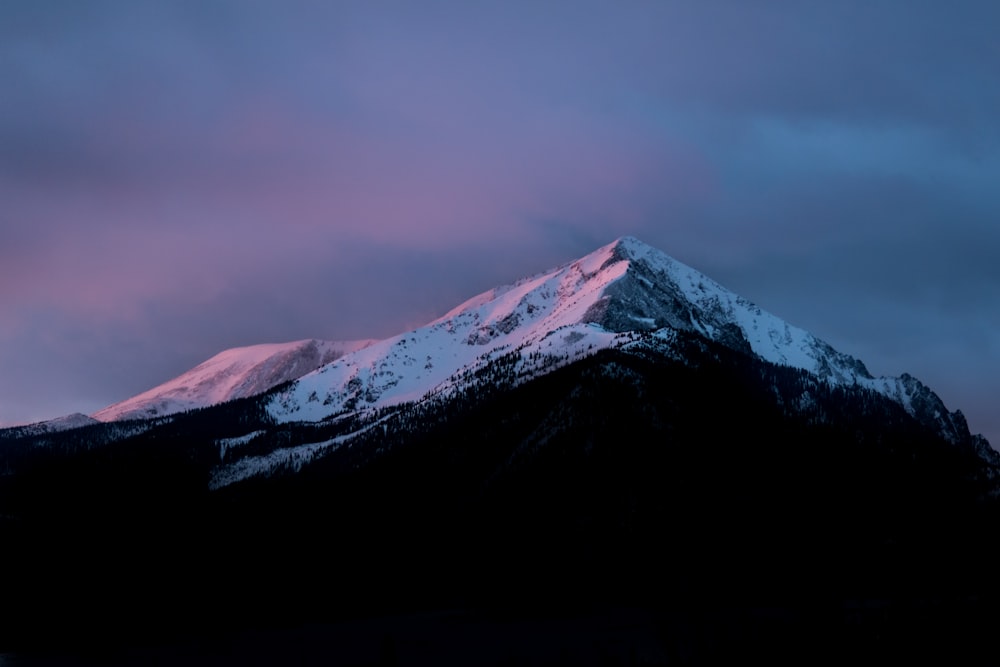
<point>181,177</point>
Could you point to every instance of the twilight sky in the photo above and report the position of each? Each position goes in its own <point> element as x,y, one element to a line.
<point>185,176</point>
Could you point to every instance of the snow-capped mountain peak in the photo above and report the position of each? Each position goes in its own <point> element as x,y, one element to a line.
<point>234,373</point>
<point>599,301</point>
<point>623,294</point>
<point>552,318</point>
<point>661,291</point>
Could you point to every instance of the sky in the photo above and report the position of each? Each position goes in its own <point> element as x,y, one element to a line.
<point>180,177</point>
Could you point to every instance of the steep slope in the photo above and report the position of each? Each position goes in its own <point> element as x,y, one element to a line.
<point>604,300</point>
<point>234,373</point>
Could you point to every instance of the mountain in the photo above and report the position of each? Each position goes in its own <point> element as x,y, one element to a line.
<point>625,296</point>
<point>234,373</point>
<point>601,301</point>
<point>617,433</point>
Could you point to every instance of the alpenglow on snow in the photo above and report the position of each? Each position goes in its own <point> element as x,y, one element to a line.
<point>561,315</point>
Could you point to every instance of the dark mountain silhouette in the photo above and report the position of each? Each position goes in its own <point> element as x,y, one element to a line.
<point>673,479</point>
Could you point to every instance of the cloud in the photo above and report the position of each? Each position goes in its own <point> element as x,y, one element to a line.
<point>179,177</point>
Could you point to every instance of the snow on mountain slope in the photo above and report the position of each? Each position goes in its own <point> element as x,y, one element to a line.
<point>659,291</point>
<point>234,373</point>
<point>75,420</point>
<point>554,317</point>
<point>432,358</point>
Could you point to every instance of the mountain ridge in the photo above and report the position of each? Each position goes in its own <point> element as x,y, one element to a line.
<point>603,300</point>
<point>596,302</point>
<point>607,432</point>
<point>234,373</point>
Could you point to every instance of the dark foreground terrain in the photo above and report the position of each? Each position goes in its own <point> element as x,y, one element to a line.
<point>621,511</point>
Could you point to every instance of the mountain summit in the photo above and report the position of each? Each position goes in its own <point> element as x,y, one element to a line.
<point>611,298</point>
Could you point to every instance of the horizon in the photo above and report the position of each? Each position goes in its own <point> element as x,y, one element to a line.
<point>182,179</point>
